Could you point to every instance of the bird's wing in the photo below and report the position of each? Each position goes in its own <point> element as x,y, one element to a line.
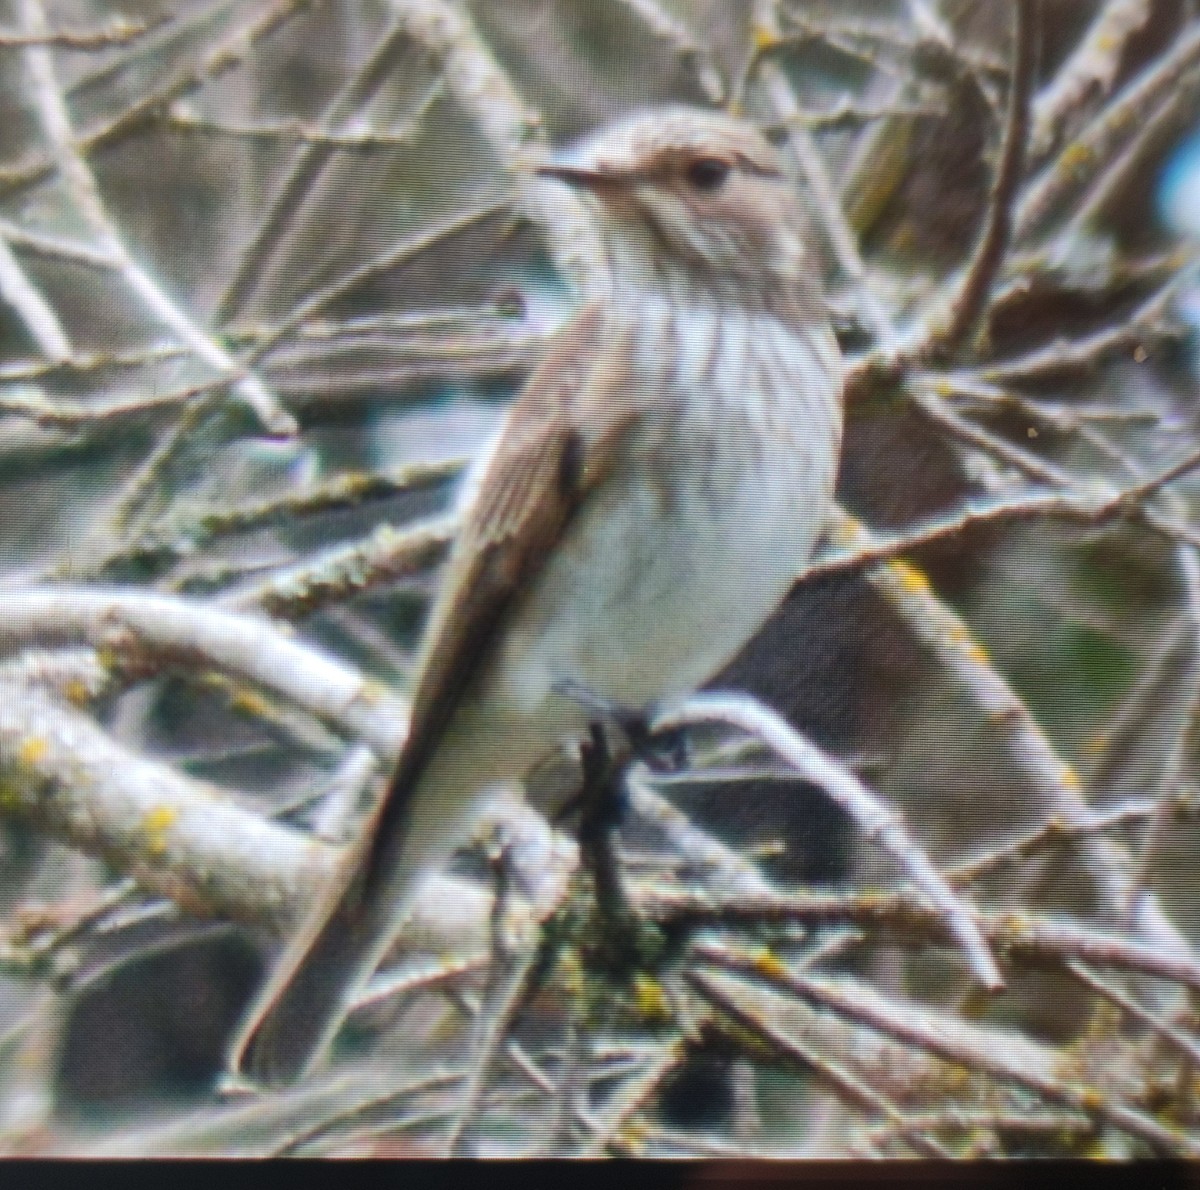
<point>558,443</point>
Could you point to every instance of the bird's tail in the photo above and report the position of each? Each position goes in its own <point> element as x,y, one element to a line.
<point>313,986</point>
<point>421,818</point>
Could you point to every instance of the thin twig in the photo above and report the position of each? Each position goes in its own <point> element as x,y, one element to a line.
<point>1173,114</point>
<point>1080,355</point>
<point>512,129</point>
<point>118,30</point>
<point>1017,1061</point>
<point>307,163</point>
<point>1054,785</point>
<point>1096,145</point>
<point>503,998</point>
<point>406,250</point>
<point>39,317</point>
<point>1189,1048</point>
<point>633,1097</point>
<point>222,55</point>
<point>844,1083</point>
<point>938,411</point>
<point>879,824</point>
<point>968,304</point>
<point>343,572</point>
<point>690,51</point>
<point>825,198</point>
<point>71,165</point>
<point>1188,701</point>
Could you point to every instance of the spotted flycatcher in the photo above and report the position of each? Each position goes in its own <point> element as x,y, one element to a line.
<point>652,494</point>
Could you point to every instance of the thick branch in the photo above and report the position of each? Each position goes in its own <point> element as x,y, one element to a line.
<point>160,630</point>
<point>178,836</point>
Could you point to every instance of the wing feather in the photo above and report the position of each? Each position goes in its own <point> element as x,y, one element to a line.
<point>558,443</point>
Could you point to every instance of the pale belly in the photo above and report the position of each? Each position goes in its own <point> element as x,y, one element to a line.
<point>649,596</point>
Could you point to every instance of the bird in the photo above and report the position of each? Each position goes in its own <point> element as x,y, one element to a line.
<point>650,497</point>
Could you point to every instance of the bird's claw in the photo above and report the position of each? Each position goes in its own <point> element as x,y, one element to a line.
<point>665,753</point>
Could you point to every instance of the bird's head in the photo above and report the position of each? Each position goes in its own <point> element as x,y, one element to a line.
<point>692,189</point>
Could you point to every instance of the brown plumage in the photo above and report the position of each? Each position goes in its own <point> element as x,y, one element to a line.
<point>662,475</point>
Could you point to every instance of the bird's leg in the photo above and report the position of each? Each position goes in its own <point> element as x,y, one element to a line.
<point>602,802</point>
<point>621,942</point>
<point>616,943</point>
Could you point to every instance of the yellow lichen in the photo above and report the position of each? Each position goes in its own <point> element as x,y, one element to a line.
<point>763,37</point>
<point>250,702</point>
<point>77,692</point>
<point>977,653</point>
<point>373,693</point>
<point>155,825</point>
<point>32,751</point>
<point>1077,156</point>
<point>844,532</point>
<point>633,1134</point>
<point>651,1000</point>
<point>910,578</point>
<point>768,963</point>
<point>570,972</point>
<point>1070,778</point>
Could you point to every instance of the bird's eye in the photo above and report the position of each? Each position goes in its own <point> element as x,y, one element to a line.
<point>708,174</point>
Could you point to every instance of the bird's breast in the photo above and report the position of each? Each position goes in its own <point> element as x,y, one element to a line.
<point>715,504</point>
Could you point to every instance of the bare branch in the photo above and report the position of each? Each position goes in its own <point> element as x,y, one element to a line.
<point>35,312</point>
<point>177,835</point>
<point>1173,1036</point>
<point>723,867</point>
<point>306,166</point>
<point>1089,507</point>
<point>342,572</point>
<point>161,630</point>
<point>1078,164</point>
<point>223,55</point>
<point>1173,768</point>
<point>118,30</point>
<point>968,304</point>
<point>1016,1061</point>
<point>691,52</point>
<point>1054,783</point>
<point>60,136</point>
<point>880,825</point>
<point>1088,74</point>
<point>487,95</point>
<point>1173,115</point>
<point>847,1085</point>
<point>838,232</point>
<point>407,249</point>
<point>1074,355</point>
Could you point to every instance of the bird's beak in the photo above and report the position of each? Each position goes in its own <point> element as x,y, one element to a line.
<point>577,176</point>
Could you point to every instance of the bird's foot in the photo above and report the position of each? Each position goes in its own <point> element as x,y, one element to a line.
<point>664,752</point>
